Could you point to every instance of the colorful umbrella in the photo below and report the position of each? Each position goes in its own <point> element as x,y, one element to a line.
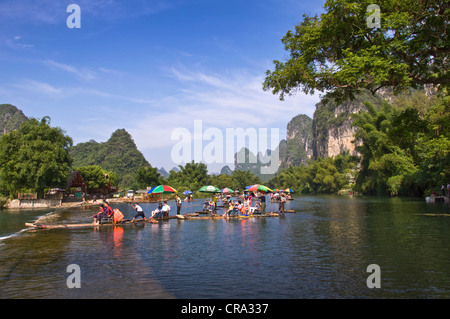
<point>227,190</point>
<point>209,189</point>
<point>288,190</point>
<point>260,188</point>
<point>162,189</point>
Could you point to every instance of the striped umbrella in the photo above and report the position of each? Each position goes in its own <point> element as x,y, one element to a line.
<point>227,190</point>
<point>260,188</point>
<point>162,189</point>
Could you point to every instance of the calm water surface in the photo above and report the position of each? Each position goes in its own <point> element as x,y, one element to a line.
<point>322,251</point>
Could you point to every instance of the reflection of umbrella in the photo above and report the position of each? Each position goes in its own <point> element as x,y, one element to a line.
<point>259,188</point>
<point>209,189</point>
<point>187,192</point>
<point>227,190</point>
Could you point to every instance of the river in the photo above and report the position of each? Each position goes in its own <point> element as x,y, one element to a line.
<point>321,251</point>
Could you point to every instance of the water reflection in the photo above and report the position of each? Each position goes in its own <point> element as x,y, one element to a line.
<point>321,251</point>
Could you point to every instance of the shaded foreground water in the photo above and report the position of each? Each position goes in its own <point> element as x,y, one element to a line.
<point>322,251</point>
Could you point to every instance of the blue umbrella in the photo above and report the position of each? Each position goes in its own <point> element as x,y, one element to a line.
<point>187,192</point>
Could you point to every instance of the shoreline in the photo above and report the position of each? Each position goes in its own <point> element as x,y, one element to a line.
<point>27,204</point>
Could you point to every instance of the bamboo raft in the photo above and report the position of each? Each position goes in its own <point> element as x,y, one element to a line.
<point>194,216</point>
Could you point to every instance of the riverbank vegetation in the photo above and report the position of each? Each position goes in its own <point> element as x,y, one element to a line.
<point>403,149</point>
<point>401,45</point>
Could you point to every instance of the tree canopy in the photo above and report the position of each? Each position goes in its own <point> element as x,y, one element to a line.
<point>147,176</point>
<point>34,157</point>
<point>340,52</point>
<point>96,178</point>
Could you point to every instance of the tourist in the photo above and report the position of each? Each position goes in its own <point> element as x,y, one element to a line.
<point>107,213</point>
<point>281,205</point>
<point>246,204</point>
<point>139,210</point>
<point>165,209</point>
<point>178,203</point>
<point>206,205</point>
<point>211,206</point>
<point>96,217</point>
<point>256,209</point>
<point>262,200</point>
<point>230,209</point>
<point>214,200</point>
<point>443,190</point>
<point>157,212</point>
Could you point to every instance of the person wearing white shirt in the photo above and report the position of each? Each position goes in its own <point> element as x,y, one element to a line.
<point>165,209</point>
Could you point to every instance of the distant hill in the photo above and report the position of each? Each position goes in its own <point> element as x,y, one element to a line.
<point>10,118</point>
<point>226,170</point>
<point>119,154</point>
<point>162,171</point>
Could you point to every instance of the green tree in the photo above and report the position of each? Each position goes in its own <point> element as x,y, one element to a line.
<point>221,181</point>
<point>241,179</point>
<point>192,176</point>
<point>147,176</point>
<point>325,175</point>
<point>34,157</point>
<point>95,177</point>
<point>339,52</point>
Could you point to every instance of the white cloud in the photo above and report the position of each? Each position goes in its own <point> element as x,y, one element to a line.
<point>232,100</point>
<point>38,87</point>
<point>83,73</point>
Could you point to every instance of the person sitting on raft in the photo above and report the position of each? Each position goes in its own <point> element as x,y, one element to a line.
<point>230,209</point>
<point>157,212</point>
<point>106,213</point>
<point>238,207</point>
<point>206,205</point>
<point>165,209</point>
<point>101,210</point>
<point>255,209</point>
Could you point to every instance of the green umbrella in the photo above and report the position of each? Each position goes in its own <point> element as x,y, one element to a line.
<point>209,189</point>
<point>227,190</point>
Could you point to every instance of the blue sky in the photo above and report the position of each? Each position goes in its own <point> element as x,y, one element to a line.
<point>151,67</point>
